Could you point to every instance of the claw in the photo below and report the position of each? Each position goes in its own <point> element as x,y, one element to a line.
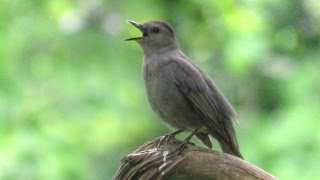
<point>163,140</point>
<point>184,144</point>
<point>166,138</point>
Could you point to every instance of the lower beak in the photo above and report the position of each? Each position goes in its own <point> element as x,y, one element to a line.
<point>138,26</point>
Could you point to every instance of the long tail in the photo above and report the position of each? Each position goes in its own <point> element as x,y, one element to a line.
<point>230,148</point>
<point>229,142</point>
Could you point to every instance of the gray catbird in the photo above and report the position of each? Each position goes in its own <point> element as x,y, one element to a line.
<point>182,95</point>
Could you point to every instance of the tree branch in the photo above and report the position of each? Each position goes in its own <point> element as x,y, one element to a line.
<point>165,162</point>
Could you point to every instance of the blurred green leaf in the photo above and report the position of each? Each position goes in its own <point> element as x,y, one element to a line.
<point>72,99</point>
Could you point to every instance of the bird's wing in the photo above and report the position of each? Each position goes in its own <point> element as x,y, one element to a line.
<point>196,90</point>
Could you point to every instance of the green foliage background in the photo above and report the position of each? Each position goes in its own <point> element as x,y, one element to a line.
<point>72,100</point>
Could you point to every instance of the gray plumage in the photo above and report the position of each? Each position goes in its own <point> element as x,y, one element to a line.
<point>180,93</point>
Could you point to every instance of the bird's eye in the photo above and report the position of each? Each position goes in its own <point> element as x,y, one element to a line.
<point>155,29</point>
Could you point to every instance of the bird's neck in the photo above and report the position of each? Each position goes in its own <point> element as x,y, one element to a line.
<point>160,51</point>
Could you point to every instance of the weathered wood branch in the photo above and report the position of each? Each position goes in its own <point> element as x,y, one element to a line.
<point>165,162</point>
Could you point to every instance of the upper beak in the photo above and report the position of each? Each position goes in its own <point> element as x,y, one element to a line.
<point>138,26</point>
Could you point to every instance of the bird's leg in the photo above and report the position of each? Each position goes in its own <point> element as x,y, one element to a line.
<point>166,138</point>
<point>183,145</point>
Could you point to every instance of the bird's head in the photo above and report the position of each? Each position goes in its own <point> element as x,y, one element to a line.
<point>156,35</point>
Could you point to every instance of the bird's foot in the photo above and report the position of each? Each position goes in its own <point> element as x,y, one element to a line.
<point>181,147</point>
<point>166,138</point>
<point>184,144</point>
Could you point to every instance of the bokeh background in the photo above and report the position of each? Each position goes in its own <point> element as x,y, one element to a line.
<point>72,99</point>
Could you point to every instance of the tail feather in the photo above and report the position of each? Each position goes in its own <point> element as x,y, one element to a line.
<point>229,142</point>
<point>230,148</point>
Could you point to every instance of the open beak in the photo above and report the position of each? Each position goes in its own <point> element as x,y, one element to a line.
<point>138,26</point>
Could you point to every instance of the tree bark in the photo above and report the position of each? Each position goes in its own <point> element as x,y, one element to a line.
<point>168,162</point>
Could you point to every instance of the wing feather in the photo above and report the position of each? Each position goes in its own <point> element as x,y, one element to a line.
<point>191,82</point>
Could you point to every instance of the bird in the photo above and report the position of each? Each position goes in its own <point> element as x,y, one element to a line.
<point>180,93</point>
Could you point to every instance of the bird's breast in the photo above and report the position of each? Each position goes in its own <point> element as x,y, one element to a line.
<point>159,87</point>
